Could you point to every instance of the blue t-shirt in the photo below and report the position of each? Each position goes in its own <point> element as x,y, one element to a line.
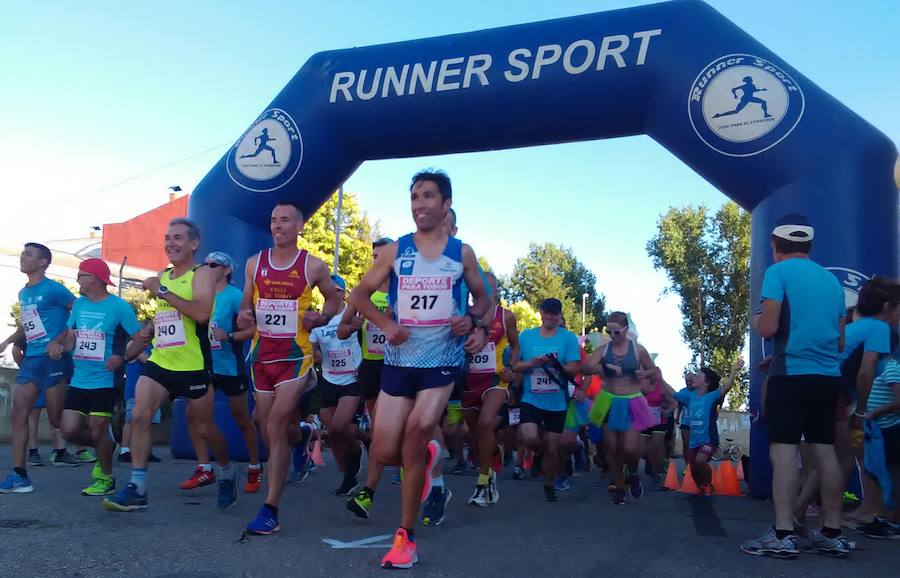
<point>45,310</point>
<point>227,357</point>
<point>812,303</point>
<point>537,389</point>
<point>96,325</point>
<point>698,413</point>
<point>873,334</point>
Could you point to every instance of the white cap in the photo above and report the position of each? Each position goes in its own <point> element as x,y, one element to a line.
<point>797,233</point>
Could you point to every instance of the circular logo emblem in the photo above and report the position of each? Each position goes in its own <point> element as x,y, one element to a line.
<point>852,281</point>
<point>741,105</point>
<point>268,155</point>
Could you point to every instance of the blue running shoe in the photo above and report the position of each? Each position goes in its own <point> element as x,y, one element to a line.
<point>126,500</point>
<point>265,522</point>
<point>300,461</point>
<point>562,484</point>
<point>16,484</point>
<point>434,511</point>
<point>227,493</point>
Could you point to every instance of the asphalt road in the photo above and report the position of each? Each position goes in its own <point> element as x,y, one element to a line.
<point>57,532</point>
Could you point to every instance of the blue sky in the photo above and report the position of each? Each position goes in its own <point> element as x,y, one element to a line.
<point>98,92</point>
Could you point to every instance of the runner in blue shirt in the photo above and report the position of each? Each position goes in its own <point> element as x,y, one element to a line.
<point>45,306</point>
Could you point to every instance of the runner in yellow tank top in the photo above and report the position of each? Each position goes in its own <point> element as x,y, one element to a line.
<point>286,369</point>
<point>180,364</point>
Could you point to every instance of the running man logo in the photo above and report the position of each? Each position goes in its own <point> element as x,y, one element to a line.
<point>268,155</point>
<point>741,105</point>
<point>852,281</point>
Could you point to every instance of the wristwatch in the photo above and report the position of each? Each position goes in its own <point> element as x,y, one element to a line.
<point>163,290</point>
<point>477,324</point>
<point>230,336</point>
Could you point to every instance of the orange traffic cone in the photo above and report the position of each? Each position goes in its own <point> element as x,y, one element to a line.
<point>672,482</point>
<point>529,458</point>
<point>688,485</point>
<point>740,470</point>
<point>715,477</point>
<point>317,453</point>
<point>728,480</point>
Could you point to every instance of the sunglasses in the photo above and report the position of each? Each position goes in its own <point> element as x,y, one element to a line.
<point>214,265</point>
<point>615,331</point>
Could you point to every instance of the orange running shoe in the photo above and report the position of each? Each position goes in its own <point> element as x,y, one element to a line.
<point>254,480</point>
<point>199,479</point>
<point>434,451</point>
<point>402,554</point>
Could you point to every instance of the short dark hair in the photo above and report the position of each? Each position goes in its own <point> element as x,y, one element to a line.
<point>453,214</point>
<point>619,317</point>
<point>42,250</point>
<point>784,246</point>
<point>713,379</point>
<point>193,230</point>
<point>439,178</point>
<point>286,203</point>
<point>877,291</point>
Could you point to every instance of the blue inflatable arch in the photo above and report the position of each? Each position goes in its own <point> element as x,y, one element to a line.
<point>680,72</point>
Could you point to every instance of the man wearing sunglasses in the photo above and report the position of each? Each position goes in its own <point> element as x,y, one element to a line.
<point>229,375</point>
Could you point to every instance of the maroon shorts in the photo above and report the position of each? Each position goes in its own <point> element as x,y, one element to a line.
<point>268,376</point>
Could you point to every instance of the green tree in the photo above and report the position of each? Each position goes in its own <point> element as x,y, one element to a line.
<point>707,261</point>
<point>551,270</point>
<point>526,316</point>
<point>355,245</point>
<point>144,306</point>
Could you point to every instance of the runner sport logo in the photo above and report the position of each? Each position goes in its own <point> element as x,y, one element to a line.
<point>268,155</point>
<point>741,105</point>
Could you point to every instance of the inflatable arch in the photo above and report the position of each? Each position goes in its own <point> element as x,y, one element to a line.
<point>680,72</point>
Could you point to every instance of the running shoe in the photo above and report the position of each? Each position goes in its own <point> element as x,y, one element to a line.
<point>35,459</point>
<point>102,486</point>
<point>16,484</point>
<point>265,523</point>
<point>837,547</point>
<point>433,456</point>
<point>254,480</point>
<point>550,494</point>
<point>124,458</point>
<point>618,496</point>
<point>518,473</point>
<point>227,493</point>
<point>479,497</point>
<point>434,511</point>
<point>879,529</point>
<point>611,488</point>
<point>347,487</point>
<point>562,484</point>
<point>64,460</point>
<point>706,491</point>
<point>198,479</point>
<point>635,487</point>
<point>361,503</point>
<point>493,494</point>
<point>402,554</point>
<point>96,471</point>
<point>126,500</point>
<point>770,545</point>
<point>301,462</point>
<point>461,467</point>
<point>153,459</point>
<point>86,456</point>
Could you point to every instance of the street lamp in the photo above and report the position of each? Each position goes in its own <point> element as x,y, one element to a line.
<point>584,297</point>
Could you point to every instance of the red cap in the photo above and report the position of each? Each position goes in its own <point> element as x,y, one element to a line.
<point>96,267</point>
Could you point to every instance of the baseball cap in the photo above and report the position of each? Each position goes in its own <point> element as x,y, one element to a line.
<point>551,305</point>
<point>96,267</point>
<point>382,241</point>
<point>221,258</point>
<point>794,228</point>
<point>339,282</point>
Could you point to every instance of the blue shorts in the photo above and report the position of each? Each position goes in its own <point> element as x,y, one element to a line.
<point>408,381</point>
<point>44,372</point>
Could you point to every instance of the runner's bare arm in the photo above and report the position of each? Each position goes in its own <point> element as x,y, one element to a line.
<point>766,323</point>
<point>481,302</point>
<point>361,296</point>
<point>594,363</point>
<point>139,342</point>
<point>732,377</point>
<point>200,307</point>
<point>246,318</point>
<point>17,335</point>
<point>512,337</point>
<point>350,323</point>
<point>650,369</point>
<point>320,277</point>
<point>864,378</point>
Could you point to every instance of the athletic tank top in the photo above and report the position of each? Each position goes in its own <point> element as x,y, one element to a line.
<point>280,298</point>
<point>629,362</point>
<point>179,342</point>
<point>424,294</point>
<point>487,363</point>
<point>373,339</point>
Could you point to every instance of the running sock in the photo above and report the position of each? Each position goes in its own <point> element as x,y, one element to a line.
<point>271,508</point>
<point>204,467</point>
<point>139,479</point>
<point>482,479</point>
<point>410,534</point>
<point>124,450</point>
<point>438,482</point>
<point>21,471</point>
<point>831,532</point>
<point>782,534</point>
<point>254,467</point>
<point>225,472</point>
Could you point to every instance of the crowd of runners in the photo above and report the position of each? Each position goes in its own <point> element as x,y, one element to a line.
<point>420,363</point>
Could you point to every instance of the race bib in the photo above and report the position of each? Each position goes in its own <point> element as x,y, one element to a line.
<point>32,323</point>
<point>541,382</point>
<point>277,318</point>
<point>485,361</point>
<point>339,361</point>
<point>375,339</point>
<point>213,342</point>
<point>425,300</point>
<point>514,417</point>
<point>168,329</point>
<point>90,345</point>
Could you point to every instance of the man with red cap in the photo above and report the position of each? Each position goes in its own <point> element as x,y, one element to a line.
<point>98,319</point>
